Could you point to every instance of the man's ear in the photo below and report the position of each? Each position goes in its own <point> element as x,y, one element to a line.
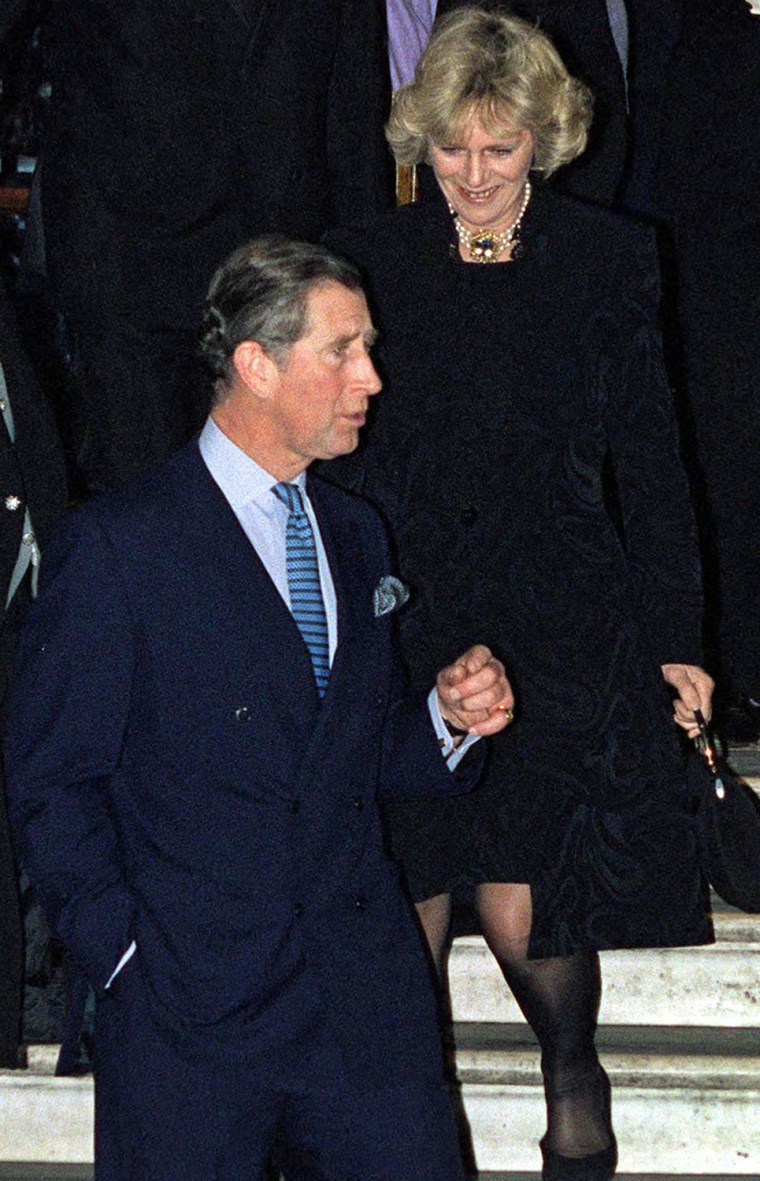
<point>255,368</point>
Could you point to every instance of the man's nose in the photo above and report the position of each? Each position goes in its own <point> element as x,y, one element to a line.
<point>371,377</point>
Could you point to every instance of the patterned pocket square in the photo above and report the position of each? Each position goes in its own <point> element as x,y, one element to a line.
<point>389,594</point>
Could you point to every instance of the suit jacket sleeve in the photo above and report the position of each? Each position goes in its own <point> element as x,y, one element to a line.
<point>63,745</point>
<point>411,761</point>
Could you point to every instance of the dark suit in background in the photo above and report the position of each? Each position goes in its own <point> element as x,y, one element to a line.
<point>11,11</point>
<point>31,476</point>
<point>178,131</point>
<point>709,179</point>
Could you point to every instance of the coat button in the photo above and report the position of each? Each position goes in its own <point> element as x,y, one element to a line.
<point>243,713</point>
<point>12,503</point>
<point>295,807</point>
<point>469,515</point>
<point>358,803</point>
<point>298,909</point>
<point>360,903</point>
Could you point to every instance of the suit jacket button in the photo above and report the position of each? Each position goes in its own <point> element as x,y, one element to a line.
<point>360,903</point>
<point>243,714</point>
<point>298,909</point>
<point>295,807</point>
<point>469,515</point>
<point>358,803</point>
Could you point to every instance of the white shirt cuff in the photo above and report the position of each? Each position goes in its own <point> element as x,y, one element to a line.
<point>452,755</point>
<point>127,956</point>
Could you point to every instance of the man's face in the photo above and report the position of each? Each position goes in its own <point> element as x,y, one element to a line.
<point>324,386</point>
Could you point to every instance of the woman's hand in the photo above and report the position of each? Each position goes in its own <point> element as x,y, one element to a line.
<point>474,693</point>
<point>695,689</point>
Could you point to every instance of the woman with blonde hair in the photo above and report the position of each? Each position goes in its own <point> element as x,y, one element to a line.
<point>521,360</point>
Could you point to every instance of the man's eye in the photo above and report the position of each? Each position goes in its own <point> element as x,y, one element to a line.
<point>502,151</point>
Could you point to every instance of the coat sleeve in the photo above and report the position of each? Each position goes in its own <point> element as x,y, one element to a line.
<point>65,723</point>
<point>657,516</point>
<point>411,761</point>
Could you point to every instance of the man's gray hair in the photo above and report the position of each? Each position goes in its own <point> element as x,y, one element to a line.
<point>259,293</point>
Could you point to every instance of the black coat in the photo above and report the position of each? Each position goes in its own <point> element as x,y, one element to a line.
<point>508,389</point>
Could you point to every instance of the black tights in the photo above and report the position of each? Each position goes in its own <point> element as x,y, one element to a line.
<point>560,1000</point>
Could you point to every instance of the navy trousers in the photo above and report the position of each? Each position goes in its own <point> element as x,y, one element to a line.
<point>162,1115</point>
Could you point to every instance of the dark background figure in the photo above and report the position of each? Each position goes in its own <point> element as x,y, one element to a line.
<point>176,132</point>
<point>708,185</point>
<point>654,29</point>
<point>33,491</point>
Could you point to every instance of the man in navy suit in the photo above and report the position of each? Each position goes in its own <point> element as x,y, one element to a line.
<point>195,793</point>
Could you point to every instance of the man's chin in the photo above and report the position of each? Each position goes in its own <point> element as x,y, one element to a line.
<point>344,447</point>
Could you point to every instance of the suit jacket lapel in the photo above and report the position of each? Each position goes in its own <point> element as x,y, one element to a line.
<point>340,545</point>
<point>277,654</point>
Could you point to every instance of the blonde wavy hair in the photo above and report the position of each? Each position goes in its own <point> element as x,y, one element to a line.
<point>497,68</point>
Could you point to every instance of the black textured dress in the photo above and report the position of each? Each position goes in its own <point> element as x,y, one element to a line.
<point>508,391</point>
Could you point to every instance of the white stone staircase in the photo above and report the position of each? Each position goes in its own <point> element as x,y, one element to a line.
<point>679,1036</point>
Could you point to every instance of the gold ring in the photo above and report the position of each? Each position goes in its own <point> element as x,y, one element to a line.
<point>505,709</point>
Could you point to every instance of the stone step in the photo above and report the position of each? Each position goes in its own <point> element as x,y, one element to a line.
<point>39,1171</point>
<point>717,985</point>
<point>43,1118</point>
<point>43,1172</point>
<point>685,1101</point>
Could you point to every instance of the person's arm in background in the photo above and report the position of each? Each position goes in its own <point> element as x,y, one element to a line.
<point>409,25</point>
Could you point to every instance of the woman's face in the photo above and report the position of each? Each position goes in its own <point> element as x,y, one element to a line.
<point>483,173</point>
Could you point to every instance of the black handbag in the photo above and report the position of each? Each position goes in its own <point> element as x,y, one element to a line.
<point>727,822</point>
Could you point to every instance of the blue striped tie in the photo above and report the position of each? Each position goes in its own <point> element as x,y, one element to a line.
<point>306,602</point>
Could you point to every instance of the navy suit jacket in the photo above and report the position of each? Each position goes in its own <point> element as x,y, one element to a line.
<point>176,780</point>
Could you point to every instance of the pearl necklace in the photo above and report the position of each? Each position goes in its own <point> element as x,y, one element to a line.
<point>486,245</point>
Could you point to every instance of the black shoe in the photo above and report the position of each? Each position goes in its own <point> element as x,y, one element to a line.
<point>597,1166</point>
